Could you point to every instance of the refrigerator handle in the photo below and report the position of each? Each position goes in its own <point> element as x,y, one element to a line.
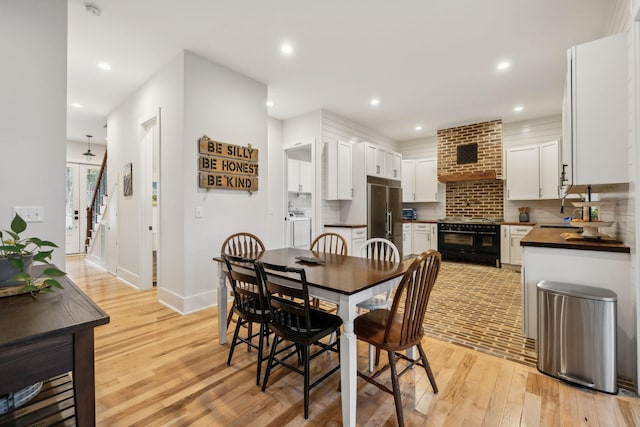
<point>389,223</point>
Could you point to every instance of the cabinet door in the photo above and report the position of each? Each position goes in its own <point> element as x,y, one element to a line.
<point>549,170</point>
<point>305,177</point>
<point>420,238</point>
<point>389,172</point>
<point>397,166</point>
<point>426,182</point>
<point>600,111</point>
<point>505,245</point>
<point>370,153</point>
<point>339,178</point>
<point>380,157</point>
<point>433,236</point>
<point>344,170</point>
<point>515,250</point>
<point>407,248</point>
<point>293,175</point>
<point>523,173</point>
<point>408,181</point>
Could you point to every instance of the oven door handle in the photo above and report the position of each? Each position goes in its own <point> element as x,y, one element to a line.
<point>459,232</point>
<point>490,233</point>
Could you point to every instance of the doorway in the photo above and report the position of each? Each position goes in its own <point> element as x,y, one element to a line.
<point>80,184</point>
<point>150,209</point>
<point>299,160</point>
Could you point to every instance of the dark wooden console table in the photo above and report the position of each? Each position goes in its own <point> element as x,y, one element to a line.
<point>47,336</point>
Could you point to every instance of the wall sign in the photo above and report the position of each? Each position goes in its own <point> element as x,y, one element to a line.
<point>227,166</point>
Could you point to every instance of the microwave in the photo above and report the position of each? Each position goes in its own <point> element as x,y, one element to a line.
<point>409,213</point>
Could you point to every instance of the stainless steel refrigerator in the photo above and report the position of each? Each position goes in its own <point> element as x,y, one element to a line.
<point>384,210</point>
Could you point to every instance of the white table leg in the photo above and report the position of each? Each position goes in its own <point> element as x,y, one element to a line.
<point>222,306</point>
<point>348,366</point>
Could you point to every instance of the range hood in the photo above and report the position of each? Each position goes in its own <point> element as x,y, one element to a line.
<point>470,152</point>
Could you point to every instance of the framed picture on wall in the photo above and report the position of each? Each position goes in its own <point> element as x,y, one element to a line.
<point>127,180</point>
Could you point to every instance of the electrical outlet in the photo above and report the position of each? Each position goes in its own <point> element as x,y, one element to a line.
<point>199,212</point>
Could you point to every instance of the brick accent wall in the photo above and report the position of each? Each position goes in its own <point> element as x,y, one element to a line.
<point>488,135</point>
<point>475,198</point>
<point>479,199</point>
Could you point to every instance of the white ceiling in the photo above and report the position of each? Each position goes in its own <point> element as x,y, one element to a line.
<point>429,62</point>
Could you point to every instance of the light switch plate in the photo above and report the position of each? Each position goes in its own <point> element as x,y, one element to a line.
<point>30,213</point>
<point>199,213</point>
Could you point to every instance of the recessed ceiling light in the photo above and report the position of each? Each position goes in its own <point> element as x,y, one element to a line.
<point>286,48</point>
<point>76,105</point>
<point>518,108</point>
<point>418,127</point>
<point>269,103</point>
<point>503,65</point>
<point>375,102</point>
<point>104,66</point>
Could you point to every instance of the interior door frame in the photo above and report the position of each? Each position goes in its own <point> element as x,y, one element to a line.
<point>311,142</point>
<point>148,136</point>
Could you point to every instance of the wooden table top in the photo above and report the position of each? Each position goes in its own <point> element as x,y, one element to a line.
<point>344,274</point>
<point>551,238</point>
<point>23,317</point>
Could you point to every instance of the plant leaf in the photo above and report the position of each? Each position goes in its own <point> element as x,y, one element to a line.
<point>29,288</point>
<point>18,225</point>
<point>16,263</point>
<point>53,283</point>
<point>15,236</point>
<point>54,272</point>
<point>43,255</point>
<point>21,277</point>
<point>48,243</point>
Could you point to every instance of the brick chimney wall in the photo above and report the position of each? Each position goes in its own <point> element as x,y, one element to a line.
<point>477,198</point>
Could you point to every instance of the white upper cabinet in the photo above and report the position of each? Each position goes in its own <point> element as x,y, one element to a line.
<point>532,172</point>
<point>420,180</point>
<point>596,147</point>
<point>408,181</point>
<point>382,162</point>
<point>549,157</point>
<point>339,170</point>
<point>298,176</point>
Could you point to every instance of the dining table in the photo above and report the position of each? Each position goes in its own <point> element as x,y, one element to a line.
<point>340,279</point>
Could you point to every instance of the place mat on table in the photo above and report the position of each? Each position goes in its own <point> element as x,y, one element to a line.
<point>7,291</point>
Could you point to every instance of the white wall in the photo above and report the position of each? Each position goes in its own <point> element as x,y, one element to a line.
<point>124,130</point>
<point>276,185</point>
<point>227,107</point>
<point>33,83</point>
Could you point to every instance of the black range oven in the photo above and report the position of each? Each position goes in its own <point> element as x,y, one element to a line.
<point>470,240</point>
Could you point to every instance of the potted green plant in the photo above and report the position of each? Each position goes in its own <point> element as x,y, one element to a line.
<point>17,254</point>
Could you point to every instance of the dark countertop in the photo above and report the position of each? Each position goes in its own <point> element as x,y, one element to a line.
<point>551,238</point>
<point>420,221</point>
<point>526,224</point>
<point>346,225</point>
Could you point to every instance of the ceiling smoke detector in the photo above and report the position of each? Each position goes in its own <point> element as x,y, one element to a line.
<point>92,9</point>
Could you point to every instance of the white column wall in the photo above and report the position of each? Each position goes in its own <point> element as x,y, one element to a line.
<point>231,108</point>
<point>33,84</point>
<point>163,91</point>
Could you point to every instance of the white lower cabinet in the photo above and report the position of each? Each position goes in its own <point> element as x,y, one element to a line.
<point>424,237</point>
<point>510,249</point>
<point>355,237</point>
<point>406,240</point>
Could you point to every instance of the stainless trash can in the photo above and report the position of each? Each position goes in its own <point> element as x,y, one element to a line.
<point>577,334</point>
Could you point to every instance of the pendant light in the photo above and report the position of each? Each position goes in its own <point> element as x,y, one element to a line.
<point>88,154</point>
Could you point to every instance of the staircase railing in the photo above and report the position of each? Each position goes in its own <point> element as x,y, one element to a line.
<point>93,209</point>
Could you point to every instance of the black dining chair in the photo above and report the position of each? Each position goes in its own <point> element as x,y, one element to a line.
<point>293,319</point>
<point>401,327</point>
<point>249,304</point>
<point>241,244</point>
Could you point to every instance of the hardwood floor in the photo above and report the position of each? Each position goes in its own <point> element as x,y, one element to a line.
<point>155,367</point>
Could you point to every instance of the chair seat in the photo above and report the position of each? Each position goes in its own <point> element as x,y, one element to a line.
<point>371,326</point>
<point>330,322</point>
